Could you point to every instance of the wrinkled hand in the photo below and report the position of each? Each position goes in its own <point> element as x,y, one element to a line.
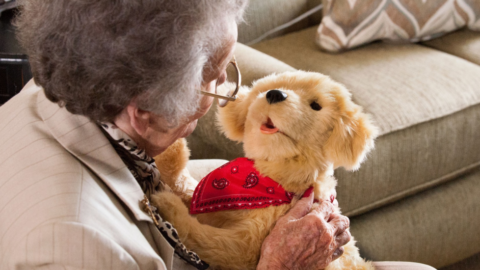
<point>305,238</point>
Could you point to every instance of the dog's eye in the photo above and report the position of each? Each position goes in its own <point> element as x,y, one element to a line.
<point>314,105</point>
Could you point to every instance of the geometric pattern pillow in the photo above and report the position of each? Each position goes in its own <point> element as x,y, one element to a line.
<point>348,24</point>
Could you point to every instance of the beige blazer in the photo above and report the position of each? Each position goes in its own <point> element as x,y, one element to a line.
<point>67,201</point>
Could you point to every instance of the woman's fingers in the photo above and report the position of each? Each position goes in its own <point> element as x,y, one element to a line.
<point>340,223</point>
<point>315,235</point>
<point>343,238</point>
<point>335,202</point>
<point>337,253</point>
<point>342,234</point>
<point>322,210</point>
<point>300,209</point>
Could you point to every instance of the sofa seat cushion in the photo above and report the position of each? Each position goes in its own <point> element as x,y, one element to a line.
<point>464,44</point>
<point>199,168</point>
<point>424,101</point>
<point>437,227</point>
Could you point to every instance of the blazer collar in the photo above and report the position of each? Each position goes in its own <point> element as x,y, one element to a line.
<point>84,139</point>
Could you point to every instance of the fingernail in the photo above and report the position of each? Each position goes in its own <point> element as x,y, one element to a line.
<point>338,252</point>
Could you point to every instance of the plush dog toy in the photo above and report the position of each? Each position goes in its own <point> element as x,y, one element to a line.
<point>296,127</point>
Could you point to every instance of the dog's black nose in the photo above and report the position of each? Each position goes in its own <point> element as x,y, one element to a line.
<point>274,96</point>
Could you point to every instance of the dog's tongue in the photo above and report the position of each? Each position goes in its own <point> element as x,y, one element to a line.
<point>268,127</point>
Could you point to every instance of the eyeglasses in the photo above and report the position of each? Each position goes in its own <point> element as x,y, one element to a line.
<point>230,87</point>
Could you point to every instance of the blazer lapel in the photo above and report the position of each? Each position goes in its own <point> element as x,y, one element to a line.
<point>83,139</point>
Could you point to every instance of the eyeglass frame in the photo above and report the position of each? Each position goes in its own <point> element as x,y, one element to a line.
<point>234,95</point>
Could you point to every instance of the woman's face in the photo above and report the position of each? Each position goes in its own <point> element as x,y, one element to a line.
<point>217,75</point>
<point>157,138</point>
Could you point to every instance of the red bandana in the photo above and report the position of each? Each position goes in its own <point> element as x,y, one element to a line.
<point>238,185</point>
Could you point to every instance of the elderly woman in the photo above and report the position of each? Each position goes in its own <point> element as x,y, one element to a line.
<point>116,83</point>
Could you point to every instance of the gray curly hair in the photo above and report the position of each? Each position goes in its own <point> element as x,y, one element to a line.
<point>95,56</point>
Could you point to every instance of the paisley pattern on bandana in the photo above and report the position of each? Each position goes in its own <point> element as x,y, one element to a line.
<point>238,185</point>
<point>145,171</point>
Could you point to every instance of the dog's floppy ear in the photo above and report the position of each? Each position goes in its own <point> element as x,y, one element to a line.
<point>352,136</point>
<point>231,118</point>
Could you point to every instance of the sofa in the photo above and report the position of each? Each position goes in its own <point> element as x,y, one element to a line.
<point>417,196</point>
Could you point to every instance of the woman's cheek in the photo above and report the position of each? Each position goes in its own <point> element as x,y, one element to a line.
<point>206,101</point>
<point>191,128</point>
<point>203,108</point>
<point>205,105</point>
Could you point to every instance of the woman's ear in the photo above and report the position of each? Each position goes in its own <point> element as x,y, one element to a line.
<point>352,138</point>
<point>231,118</point>
<point>139,119</point>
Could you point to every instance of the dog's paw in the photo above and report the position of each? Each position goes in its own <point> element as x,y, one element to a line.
<point>170,206</point>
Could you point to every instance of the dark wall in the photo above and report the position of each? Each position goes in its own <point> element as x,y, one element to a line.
<point>14,68</point>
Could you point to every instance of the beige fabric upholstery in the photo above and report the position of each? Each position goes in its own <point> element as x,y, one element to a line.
<point>464,44</point>
<point>254,64</point>
<point>201,167</point>
<point>315,18</point>
<point>410,160</point>
<point>471,263</point>
<point>264,15</point>
<point>401,266</point>
<point>437,227</point>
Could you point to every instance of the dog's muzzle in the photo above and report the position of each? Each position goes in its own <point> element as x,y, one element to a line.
<point>274,96</point>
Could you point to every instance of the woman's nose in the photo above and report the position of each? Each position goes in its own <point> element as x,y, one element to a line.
<point>274,96</point>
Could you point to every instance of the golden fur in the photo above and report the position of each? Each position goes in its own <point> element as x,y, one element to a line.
<point>310,144</point>
<point>172,166</point>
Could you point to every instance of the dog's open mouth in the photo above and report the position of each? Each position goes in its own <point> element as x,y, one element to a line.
<point>268,127</point>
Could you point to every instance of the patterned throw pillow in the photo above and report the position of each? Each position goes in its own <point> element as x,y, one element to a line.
<point>350,23</point>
